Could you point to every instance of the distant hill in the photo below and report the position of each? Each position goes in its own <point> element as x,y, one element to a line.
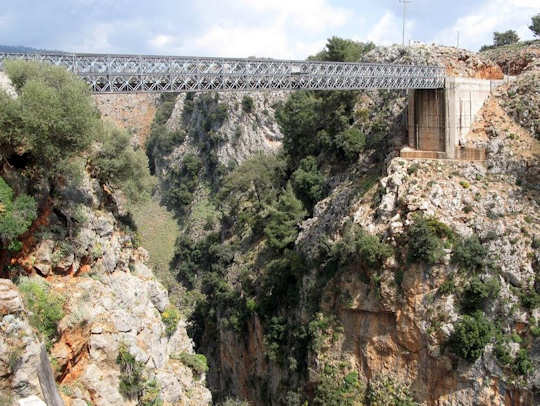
<point>23,49</point>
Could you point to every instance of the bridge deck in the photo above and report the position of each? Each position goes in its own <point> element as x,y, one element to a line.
<point>147,73</point>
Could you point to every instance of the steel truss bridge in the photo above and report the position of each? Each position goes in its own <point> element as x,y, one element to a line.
<point>159,74</point>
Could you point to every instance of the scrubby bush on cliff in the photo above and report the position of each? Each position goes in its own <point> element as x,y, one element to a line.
<point>132,380</point>
<point>358,246</point>
<point>469,254</point>
<point>385,391</point>
<point>478,292</point>
<point>181,183</point>
<point>427,237</point>
<point>247,104</point>
<point>16,215</point>
<point>52,120</point>
<point>248,190</point>
<point>117,163</point>
<point>170,317</point>
<point>44,306</point>
<point>470,336</point>
<point>350,143</point>
<point>336,389</point>
<point>197,362</point>
<point>283,223</point>
<point>308,182</point>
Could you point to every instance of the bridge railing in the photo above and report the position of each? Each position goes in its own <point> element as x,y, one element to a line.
<point>148,73</point>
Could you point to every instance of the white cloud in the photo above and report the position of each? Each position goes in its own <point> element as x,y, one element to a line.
<point>386,32</point>
<point>477,28</point>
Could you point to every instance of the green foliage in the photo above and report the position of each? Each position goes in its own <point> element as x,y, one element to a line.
<point>469,254</point>
<point>505,38</point>
<point>16,214</point>
<point>530,299</point>
<point>132,380</point>
<point>45,307</point>
<point>478,292</point>
<point>471,334</point>
<point>170,317</point>
<point>151,394</point>
<point>117,163</point>
<point>385,391</point>
<point>343,50</point>
<point>315,124</point>
<point>350,143</point>
<point>181,182</point>
<point>522,364</point>
<point>535,25</point>
<point>248,191</point>
<point>360,247</point>
<point>247,104</point>
<point>197,362</point>
<point>308,182</point>
<point>336,389</point>
<point>53,119</point>
<point>427,238</point>
<point>282,227</point>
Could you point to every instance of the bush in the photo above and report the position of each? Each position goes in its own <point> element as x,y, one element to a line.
<point>334,389</point>
<point>132,380</point>
<point>471,334</point>
<point>535,25</point>
<point>283,223</point>
<point>478,292</point>
<point>427,238</point>
<point>53,119</point>
<point>343,50</point>
<point>45,308</point>
<point>308,182</point>
<point>16,215</point>
<point>522,365</point>
<point>469,254</point>
<point>118,164</point>
<point>247,104</point>
<point>384,391</point>
<point>358,246</point>
<point>170,317</point>
<point>197,362</point>
<point>505,38</point>
<point>350,143</point>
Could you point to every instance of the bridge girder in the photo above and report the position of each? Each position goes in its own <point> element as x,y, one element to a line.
<point>146,73</point>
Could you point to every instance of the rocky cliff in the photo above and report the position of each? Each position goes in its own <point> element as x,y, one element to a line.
<point>85,311</point>
<point>407,282</point>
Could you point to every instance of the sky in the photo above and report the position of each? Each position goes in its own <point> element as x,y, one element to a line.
<point>290,29</point>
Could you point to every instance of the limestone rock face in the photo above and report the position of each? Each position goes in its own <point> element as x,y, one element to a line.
<point>109,298</point>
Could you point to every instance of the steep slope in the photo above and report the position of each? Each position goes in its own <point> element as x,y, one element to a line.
<point>337,274</point>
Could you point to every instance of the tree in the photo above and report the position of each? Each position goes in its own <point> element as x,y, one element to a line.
<point>535,26</point>
<point>505,38</point>
<point>54,118</point>
<point>343,50</point>
<point>309,182</point>
<point>282,227</point>
<point>471,335</point>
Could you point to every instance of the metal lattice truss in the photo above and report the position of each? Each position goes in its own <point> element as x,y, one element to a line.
<point>141,73</point>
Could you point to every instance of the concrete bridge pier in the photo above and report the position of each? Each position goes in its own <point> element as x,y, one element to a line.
<point>439,119</point>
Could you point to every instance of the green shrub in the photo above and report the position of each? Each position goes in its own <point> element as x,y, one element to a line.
<point>522,365</point>
<point>247,104</point>
<point>132,380</point>
<point>53,119</point>
<point>385,391</point>
<point>197,362</point>
<point>478,292</point>
<point>151,394</point>
<point>343,50</point>
<point>350,143</point>
<point>283,223</point>
<point>469,254</point>
<point>427,238</point>
<point>529,299</point>
<point>471,334</point>
<point>358,246</point>
<point>45,308</point>
<point>118,164</point>
<point>16,215</point>
<point>170,317</point>
<point>308,182</point>
<point>336,389</point>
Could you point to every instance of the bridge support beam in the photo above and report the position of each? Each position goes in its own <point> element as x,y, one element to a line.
<point>440,119</point>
